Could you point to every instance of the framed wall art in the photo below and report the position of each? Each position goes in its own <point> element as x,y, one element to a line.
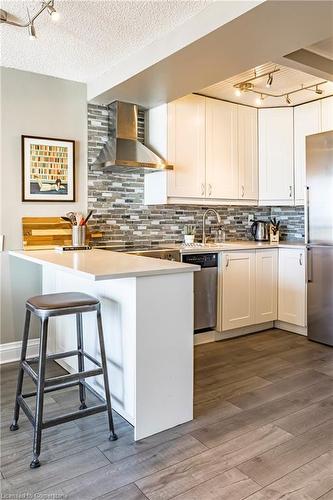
<point>48,169</point>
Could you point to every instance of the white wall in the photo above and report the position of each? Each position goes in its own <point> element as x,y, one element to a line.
<point>33,104</point>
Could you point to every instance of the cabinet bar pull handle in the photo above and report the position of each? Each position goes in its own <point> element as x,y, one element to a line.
<point>242,191</point>
<point>227,261</point>
<point>290,191</point>
<point>209,189</point>
<point>309,265</point>
<point>306,214</point>
<point>202,189</point>
<point>301,259</point>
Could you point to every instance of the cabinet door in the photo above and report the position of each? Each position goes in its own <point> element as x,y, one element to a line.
<point>238,289</point>
<point>292,286</point>
<point>266,285</point>
<point>276,172</point>
<point>248,153</point>
<point>221,150</point>
<point>306,122</point>
<point>327,114</point>
<point>186,147</point>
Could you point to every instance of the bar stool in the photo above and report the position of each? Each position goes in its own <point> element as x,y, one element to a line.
<point>44,307</point>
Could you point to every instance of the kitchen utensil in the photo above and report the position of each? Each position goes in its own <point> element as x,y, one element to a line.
<point>259,230</point>
<point>87,218</point>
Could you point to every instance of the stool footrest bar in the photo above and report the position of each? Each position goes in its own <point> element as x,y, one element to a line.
<point>72,376</point>
<point>57,387</point>
<point>73,416</point>
<point>93,360</point>
<point>29,371</point>
<point>58,355</point>
<point>26,409</point>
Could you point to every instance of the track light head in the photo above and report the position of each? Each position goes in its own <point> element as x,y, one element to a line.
<point>288,101</point>
<point>318,90</point>
<point>269,80</point>
<point>53,13</point>
<point>32,31</point>
<point>259,100</point>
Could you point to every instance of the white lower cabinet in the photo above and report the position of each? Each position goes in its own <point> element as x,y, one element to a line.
<point>266,285</point>
<point>238,289</point>
<point>261,286</point>
<point>292,286</point>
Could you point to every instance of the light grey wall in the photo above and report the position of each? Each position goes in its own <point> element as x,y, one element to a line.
<point>33,104</point>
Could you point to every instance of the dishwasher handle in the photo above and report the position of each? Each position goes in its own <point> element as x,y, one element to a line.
<point>204,260</point>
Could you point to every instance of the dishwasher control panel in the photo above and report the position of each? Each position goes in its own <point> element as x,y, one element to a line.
<point>201,259</point>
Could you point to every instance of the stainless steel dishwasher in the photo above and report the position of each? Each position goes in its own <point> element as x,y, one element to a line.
<point>205,290</point>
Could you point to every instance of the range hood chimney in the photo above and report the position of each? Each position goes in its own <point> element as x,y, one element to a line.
<point>123,149</point>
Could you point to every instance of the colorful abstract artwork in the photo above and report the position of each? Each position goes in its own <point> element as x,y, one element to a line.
<point>48,169</point>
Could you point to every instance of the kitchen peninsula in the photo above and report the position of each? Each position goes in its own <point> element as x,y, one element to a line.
<point>147,310</point>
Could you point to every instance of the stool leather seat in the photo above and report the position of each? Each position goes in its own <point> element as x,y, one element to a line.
<point>61,300</point>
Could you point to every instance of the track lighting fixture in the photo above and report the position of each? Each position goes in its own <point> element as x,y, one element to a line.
<point>269,80</point>
<point>46,5</point>
<point>249,86</point>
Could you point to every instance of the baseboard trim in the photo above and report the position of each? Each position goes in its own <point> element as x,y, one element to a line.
<point>204,337</point>
<point>282,325</point>
<point>11,351</point>
<point>245,330</point>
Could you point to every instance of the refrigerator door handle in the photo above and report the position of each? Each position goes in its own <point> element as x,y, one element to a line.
<point>309,265</point>
<point>306,214</point>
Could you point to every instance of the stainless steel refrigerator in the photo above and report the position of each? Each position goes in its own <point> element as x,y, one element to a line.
<point>319,236</point>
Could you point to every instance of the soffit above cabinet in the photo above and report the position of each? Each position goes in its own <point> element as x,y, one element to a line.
<point>284,80</point>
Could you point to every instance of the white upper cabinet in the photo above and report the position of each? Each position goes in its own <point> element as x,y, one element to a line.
<point>276,172</point>
<point>327,114</point>
<point>307,121</point>
<point>186,147</point>
<point>221,150</point>
<point>247,153</point>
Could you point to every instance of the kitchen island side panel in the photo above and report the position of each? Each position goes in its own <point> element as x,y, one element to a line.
<point>164,353</point>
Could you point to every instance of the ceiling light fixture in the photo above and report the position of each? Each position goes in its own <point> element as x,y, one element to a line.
<point>238,92</point>
<point>32,32</point>
<point>53,13</point>
<point>269,80</point>
<point>6,18</point>
<point>248,86</point>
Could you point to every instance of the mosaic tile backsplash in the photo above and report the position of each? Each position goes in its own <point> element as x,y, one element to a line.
<point>119,212</point>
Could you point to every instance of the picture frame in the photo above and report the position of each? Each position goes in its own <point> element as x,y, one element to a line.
<point>48,169</point>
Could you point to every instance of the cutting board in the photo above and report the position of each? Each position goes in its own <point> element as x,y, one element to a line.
<point>43,233</point>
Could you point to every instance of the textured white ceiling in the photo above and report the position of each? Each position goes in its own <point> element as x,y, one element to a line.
<point>91,36</point>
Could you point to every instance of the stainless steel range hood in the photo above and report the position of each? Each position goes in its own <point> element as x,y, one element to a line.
<point>123,149</point>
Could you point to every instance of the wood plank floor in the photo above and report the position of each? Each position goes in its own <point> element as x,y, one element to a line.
<point>263,430</point>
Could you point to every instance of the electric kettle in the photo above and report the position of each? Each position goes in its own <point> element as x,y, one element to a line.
<point>260,230</point>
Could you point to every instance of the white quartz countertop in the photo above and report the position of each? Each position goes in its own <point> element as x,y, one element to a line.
<point>101,265</point>
<point>237,245</point>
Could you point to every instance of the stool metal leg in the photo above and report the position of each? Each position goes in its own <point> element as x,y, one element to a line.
<point>113,436</point>
<point>40,394</point>
<point>79,333</point>
<point>14,425</point>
